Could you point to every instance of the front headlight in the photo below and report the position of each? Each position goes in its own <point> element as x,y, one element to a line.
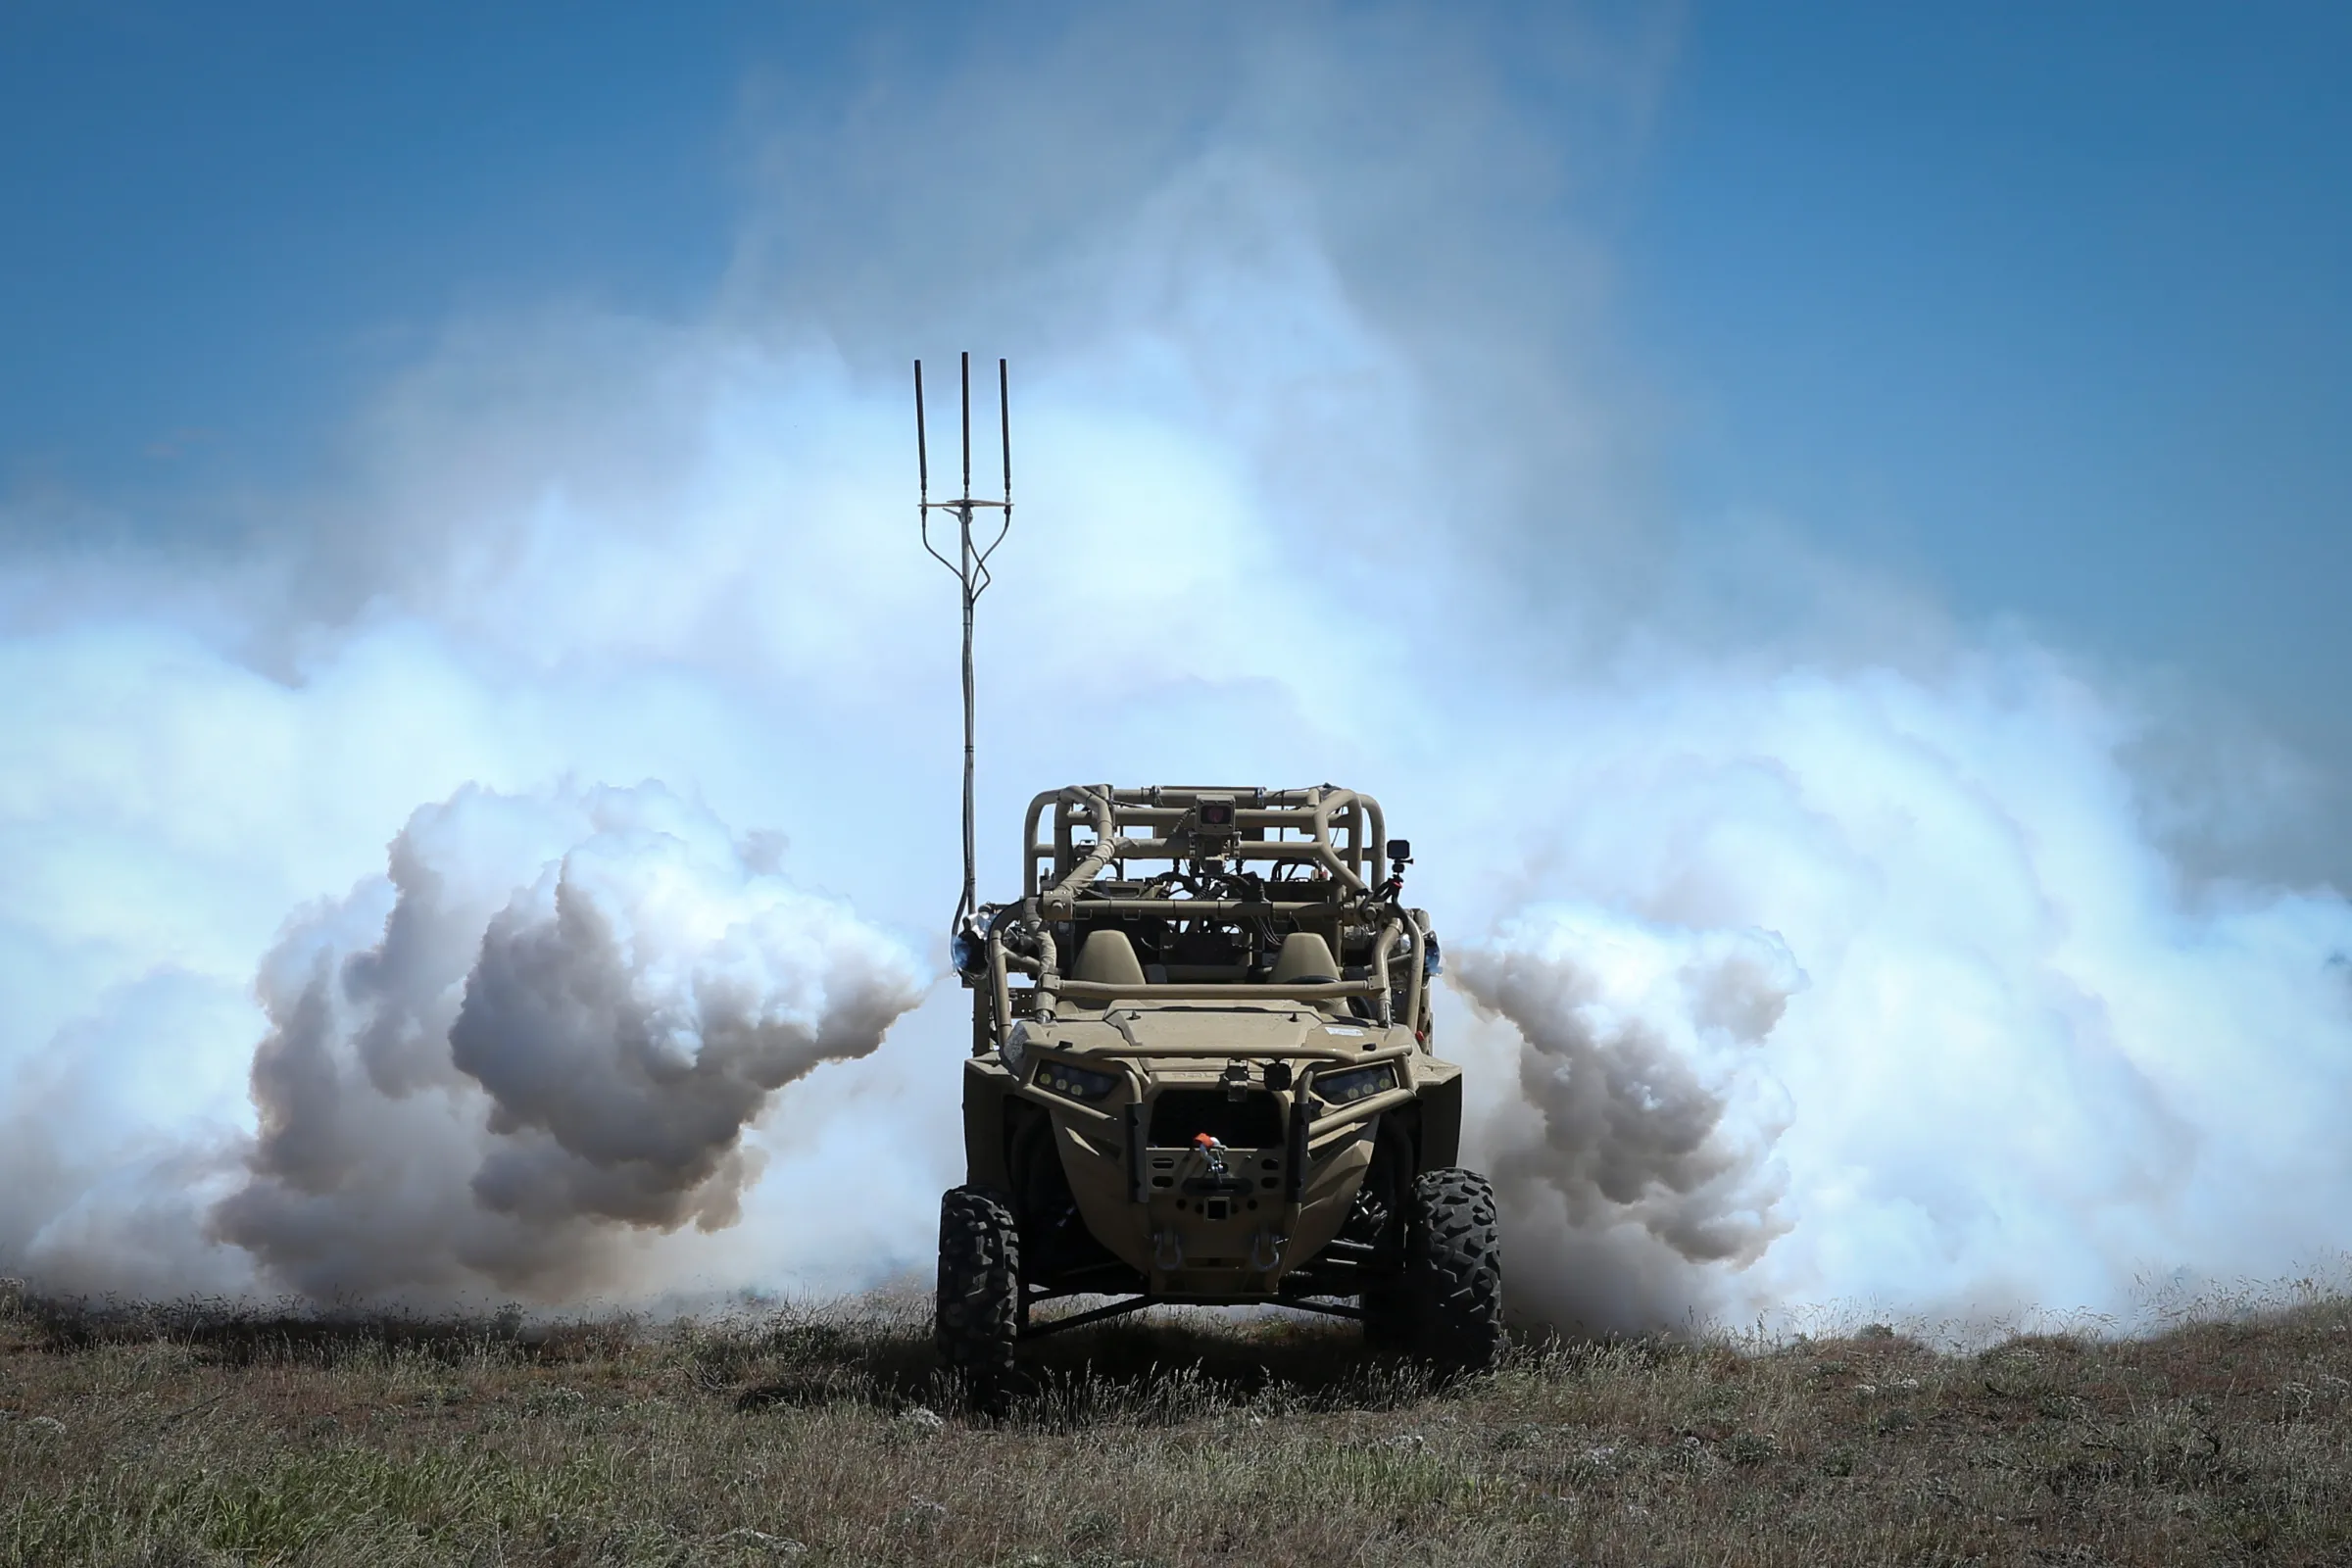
<point>1079,1083</point>
<point>1357,1082</point>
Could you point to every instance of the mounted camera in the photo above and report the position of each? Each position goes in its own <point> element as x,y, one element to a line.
<point>1215,828</point>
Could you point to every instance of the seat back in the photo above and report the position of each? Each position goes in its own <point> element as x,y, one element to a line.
<point>1306,959</point>
<point>1107,958</point>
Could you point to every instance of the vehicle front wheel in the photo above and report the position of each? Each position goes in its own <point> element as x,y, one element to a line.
<point>977,1320</point>
<point>1448,1308</point>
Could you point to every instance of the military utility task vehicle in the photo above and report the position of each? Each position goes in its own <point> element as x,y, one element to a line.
<point>1202,1073</point>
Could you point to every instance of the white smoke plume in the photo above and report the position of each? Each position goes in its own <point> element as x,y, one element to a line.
<point>1639,1094</point>
<point>1883,997</point>
<point>549,1025</point>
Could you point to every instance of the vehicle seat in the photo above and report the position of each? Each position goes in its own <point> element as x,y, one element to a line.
<point>1107,958</point>
<point>1306,959</point>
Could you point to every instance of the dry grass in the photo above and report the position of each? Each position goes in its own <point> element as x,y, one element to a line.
<point>813,1436</point>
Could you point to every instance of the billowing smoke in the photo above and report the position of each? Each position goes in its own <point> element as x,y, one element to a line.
<point>1640,1100</point>
<point>548,1028</point>
<point>1881,996</point>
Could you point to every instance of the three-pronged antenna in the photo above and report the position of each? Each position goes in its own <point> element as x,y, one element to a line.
<point>970,567</point>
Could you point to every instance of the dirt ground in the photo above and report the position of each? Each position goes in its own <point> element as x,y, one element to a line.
<point>196,1435</point>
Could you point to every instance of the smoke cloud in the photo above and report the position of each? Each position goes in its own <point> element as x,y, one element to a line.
<point>1885,997</point>
<point>549,1025</point>
<point>1636,1063</point>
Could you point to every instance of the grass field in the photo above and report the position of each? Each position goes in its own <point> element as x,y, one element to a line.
<point>184,1436</point>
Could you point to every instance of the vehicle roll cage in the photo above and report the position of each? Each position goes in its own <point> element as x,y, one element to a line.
<point>1174,809</point>
<point>1077,881</point>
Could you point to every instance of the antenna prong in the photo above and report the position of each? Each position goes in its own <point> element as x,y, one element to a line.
<point>922,446</point>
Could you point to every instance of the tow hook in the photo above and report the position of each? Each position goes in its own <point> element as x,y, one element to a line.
<point>1216,1187</point>
<point>1215,1180</point>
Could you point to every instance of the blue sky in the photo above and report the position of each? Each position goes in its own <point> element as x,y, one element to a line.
<point>2040,309</point>
<point>2047,303</point>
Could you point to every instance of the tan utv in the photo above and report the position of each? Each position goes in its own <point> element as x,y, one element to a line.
<point>1201,1075</point>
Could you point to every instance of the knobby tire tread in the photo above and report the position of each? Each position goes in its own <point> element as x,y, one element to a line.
<point>978,1315</point>
<point>1453,1270</point>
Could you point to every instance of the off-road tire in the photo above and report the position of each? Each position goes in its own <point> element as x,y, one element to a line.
<point>1450,1299</point>
<point>979,1313</point>
<point>977,1319</point>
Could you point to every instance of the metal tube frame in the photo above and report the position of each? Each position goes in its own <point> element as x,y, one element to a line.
<point>1319,815</point>
<point>1106,809</point>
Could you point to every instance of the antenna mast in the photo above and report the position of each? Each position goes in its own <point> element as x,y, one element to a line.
<point>970,567</point>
